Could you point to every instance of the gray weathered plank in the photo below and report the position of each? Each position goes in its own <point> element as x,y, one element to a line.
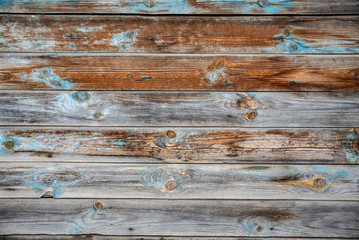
<point>182,6</point>
<point>180,145</point>
<point>264,109</point>
<point>179,181</point>
<point>180,217</point>
<point>179,72</point>
<point>168,34</point>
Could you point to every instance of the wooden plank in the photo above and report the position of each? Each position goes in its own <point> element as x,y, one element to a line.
<point>107,237</point>
<point>180,217</point>
<point>182,6</point>
<point>264,109</point>
<point>180,145</point>
<point>180,72</point>
<point>179,181</point>
<point>58,33</point>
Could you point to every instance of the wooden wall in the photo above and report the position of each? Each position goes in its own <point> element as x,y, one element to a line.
<point>179,119</point>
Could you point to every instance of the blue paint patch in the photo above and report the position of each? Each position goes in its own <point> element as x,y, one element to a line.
<point>29,45</point>
<point>120,143</point>
<point>124,40</point>
<point>48,76</point>
<point>56,181</point>
<point>351,155</point>
<point>158,178</point>
<point>77,228</point>
<point>215,75</point>
<point>289,43</point>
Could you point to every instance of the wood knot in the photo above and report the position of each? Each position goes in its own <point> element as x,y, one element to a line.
<point>9,144</point>
<point>263,3</point>
<point>294,47</point>
<point>170,134</point>
<point>98,206</point>
<point>149,3</point>
<point>251,116</point>
<point>286,31</point>
<point>259,228</point>
<point>97,115</point>
<point>45,72</point>
<point>171,185</point>
<point>81,96</point>
<point>319,183</point>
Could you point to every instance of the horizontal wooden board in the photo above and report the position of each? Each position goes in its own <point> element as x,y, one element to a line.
<point>107,237</point>
<point>180,72</point>
<point>264,109</point>
<point>168,34</point>
<point>182,6</point>
<point>180,145</point>
<point>179,181</point>
<point>180,217</point>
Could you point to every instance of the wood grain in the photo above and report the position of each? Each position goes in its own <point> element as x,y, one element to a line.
<point>179,181</point>
<point>263,109</point>
<point>180,72</point>
<point>180,145</point>
<point>183,6</point>
<point>180,218</point>
<point>168,34</point>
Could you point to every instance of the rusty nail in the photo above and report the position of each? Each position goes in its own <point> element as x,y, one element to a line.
<point>319,182</point>
<point>171,185</point>
<point>171,134</point>
<point>9,144</point>
<point>251,116</point>
<point>98,206</point>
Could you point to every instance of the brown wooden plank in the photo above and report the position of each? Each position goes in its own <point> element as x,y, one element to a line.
<point>179,181</point>
<point>180,72</point>
<point>105,108</point>
<point>89,33</point>
<point>182,6</point>
<point>107,237</point>
<point>180,217</point>
<point>180,145</point>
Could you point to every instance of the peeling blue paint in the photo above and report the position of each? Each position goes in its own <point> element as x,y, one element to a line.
<point>48,76</point>
<point>88,29</point>
<point>124,40</point>
<point>29,45</point>
<point>289,43</point>
<point>215,75</point>
<point>351,154</point>
<point>56,181</point>
<point>120,143</point>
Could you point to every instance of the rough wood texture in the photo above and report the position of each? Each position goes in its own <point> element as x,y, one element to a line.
<point>178,217</point>
<point>180,109</point>
<point>179,72</point>
<point>182,6</point>
<point>88,33</point>
<point>179,145</point>
<point>194,181</point>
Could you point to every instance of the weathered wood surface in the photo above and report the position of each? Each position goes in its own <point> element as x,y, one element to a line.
<point>180,217</point>
<point>182,6</point>
<point>262,109</point>
<point>180,72</point>
<point>89,33</point>
<point>107,237</point>
<point>180,145</point>
<point>179,181</point>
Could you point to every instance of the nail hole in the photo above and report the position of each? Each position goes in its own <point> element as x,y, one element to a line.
<point>49,155</point>
<point>292,83</point>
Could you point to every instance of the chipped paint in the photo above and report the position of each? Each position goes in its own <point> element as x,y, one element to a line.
<point>48,76</point>
<point>55,181</point>
<point>88,29</point>
<point>350,146</point>
<point>25,45</point>
<point>124,40</point>
<point>290,43</point>
<point>120,143</point>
